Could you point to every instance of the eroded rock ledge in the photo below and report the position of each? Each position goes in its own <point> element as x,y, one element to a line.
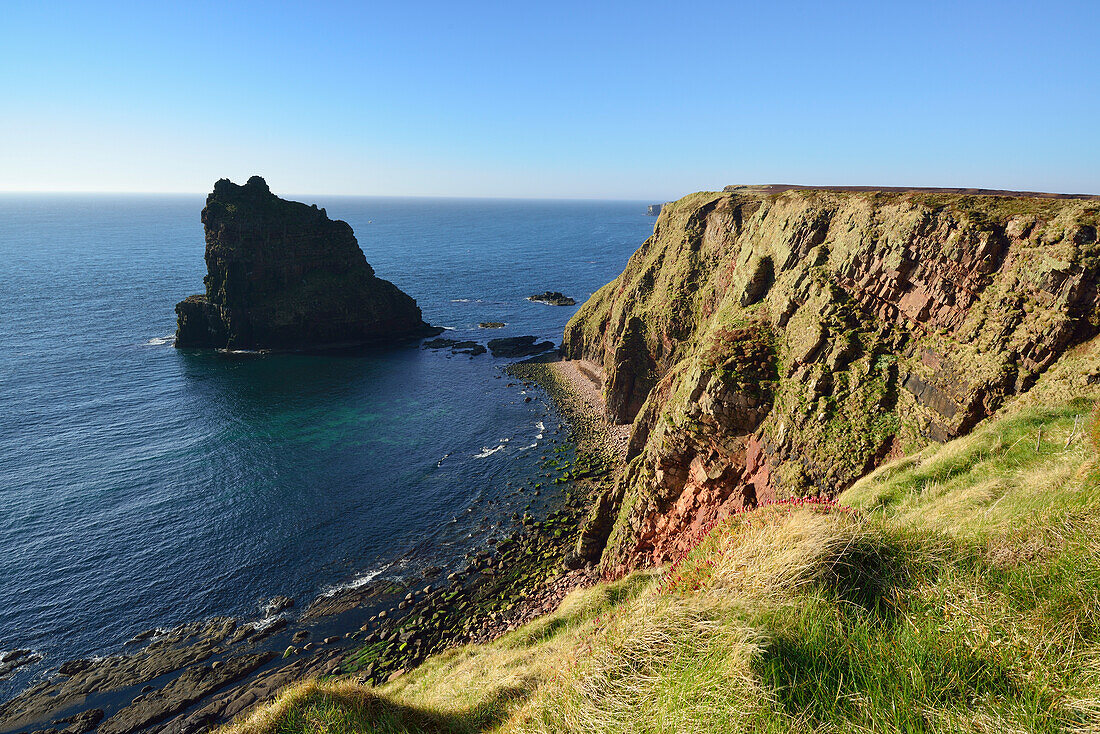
<point>773,341</point>
<point>282,275</point>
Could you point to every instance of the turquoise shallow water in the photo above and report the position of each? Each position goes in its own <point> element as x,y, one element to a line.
<point>142,486</point>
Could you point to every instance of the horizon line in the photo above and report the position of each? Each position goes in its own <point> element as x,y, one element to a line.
<point>92,192</point>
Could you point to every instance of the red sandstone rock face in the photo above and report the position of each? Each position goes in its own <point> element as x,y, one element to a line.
<point>771,344</point>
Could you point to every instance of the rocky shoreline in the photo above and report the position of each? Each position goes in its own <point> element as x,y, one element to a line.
<point>201,675</point>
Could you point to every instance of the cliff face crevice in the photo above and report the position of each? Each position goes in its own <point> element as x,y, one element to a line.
<point>768,344</point>
<point>282,275</point>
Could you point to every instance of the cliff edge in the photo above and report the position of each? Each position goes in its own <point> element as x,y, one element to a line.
<point>282,275</point>
<point>775,342</point>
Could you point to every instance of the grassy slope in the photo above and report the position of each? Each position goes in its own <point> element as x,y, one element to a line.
<point>957,589</point>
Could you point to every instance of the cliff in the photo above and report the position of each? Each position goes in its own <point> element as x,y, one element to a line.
<point>769,342</point>
<point>282,275</point>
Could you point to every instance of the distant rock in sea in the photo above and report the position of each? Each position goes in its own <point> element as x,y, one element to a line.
<point>282,275</point>
<point>654,209</point>
<point>518,346</point>
<point>553,298</point>
<point>471,348</point>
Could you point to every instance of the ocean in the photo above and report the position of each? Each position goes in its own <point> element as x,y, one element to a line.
<point>143,486</point>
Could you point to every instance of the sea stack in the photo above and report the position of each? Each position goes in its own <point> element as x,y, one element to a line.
<point>282,275</point>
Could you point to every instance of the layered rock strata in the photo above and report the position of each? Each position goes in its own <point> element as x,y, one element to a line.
<point>768,342</point>
<point>282,275</point>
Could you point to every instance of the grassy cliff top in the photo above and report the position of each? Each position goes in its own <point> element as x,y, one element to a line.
<point>769,189</point>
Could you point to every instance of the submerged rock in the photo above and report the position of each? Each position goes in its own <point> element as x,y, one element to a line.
<point>14,659</point>
<point>492,325</point>
<point>552,298</point>
<point>282,275</point>
<point>518,346</point>
<point>277,605</point>
<point>456,346</point>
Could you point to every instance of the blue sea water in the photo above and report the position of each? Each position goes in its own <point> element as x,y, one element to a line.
<point>143,486</point>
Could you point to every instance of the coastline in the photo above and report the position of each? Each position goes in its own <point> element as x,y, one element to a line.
<point>576,391</point>
<point>201,675</point>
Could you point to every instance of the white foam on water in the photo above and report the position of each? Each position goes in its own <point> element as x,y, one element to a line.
<point>160,341</point>
<point>542,429</point>
<point>486,451</point>
<point>10,666</point>
<point>357,582</point>
<point>266,622</point>
<point>460,300</point>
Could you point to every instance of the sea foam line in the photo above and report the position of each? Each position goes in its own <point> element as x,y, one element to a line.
<point>486,451</point>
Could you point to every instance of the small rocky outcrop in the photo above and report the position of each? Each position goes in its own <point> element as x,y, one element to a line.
<point>552,298</point>
<point>518,346</point>
<point>769,342</point>
<point>457,346</point>
<point>282,275</point>
<point>491,325</point>
<point>12,660</point>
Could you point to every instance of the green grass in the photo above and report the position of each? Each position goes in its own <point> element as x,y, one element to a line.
<point>955,590</point>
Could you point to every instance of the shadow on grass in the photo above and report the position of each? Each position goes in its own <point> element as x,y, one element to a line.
<point>339,710</point>
<point>865,674</point>
<point>873,573</point>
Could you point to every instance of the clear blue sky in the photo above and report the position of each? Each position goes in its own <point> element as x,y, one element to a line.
<point>565,99</point>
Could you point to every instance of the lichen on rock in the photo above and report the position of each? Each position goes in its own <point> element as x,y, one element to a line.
<point>282,275</point>
<point>768,343</point>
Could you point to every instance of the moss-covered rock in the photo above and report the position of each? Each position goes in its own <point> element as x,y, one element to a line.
<point>769,343</point>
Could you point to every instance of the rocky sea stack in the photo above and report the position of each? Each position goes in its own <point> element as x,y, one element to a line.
<point>282,275</point>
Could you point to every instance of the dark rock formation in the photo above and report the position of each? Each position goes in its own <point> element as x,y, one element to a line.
<point>78,724</point>
<point>518,346</point>
<point>282,275</point>
<point>195,683</point>
<point>654,209</point>
<point>769,342</point>
<point>456,346</point>
<point>12,660</point>
<point>492,325</point>
<point>185,646</point>
<point>552,298</point>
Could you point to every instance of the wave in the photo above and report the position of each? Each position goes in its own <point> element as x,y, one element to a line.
<point>13,660</point>
<point>160,341</point>
<point>357,582</point>
<point>486,451</point>
<point>262,624</point>
<point>542,430</point>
